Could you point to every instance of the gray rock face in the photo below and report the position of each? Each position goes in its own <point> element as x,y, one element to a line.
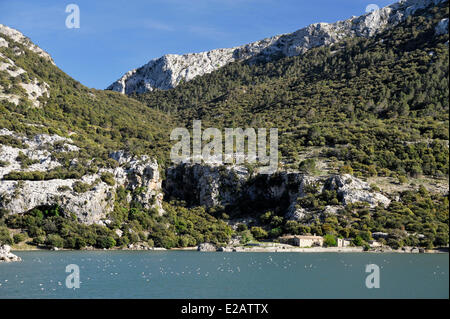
<point>352,189</point>
<point>206,247</point>
<point>17,36</point>
<point>442,27</point>
<point>6,255</point>
<point>140,175</point>
<point>34,89</point>
<point>295,213</point>
<point>171,69</point>
<point>204,184</point>
<point>214,185</point>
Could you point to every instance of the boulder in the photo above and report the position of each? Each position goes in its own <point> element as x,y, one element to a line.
<point>206,247</point>
<point>351,189</point>
<point>6,255</point>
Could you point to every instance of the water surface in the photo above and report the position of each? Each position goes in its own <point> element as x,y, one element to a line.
<point>190,274</point>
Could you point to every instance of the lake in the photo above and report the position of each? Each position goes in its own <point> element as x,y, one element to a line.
<point>191,274</point>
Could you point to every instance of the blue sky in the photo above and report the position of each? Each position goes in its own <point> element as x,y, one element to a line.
<point>116,36</point>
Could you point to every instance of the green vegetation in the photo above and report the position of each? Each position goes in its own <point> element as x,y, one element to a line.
<point>5,236</point>
<point>17,238</point>
<point>379,105</point>
<point>329,241</point>
<point>258,232</point>
<point>178,227</point>
<point>371,107</point>
<point>108,178</point>
<point>97,121</point>
<point>80,187</point>
<point>25,161</point>
<point>307,166</point>
<point>11,141</point>
<point>418,218</point>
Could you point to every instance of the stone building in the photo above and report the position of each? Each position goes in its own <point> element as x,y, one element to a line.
<point>342,242</point>
<point>302,240</point>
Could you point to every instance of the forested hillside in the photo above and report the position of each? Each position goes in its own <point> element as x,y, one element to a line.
<point>98,121</point>
<point>363,137</point>
<point>380,105</point>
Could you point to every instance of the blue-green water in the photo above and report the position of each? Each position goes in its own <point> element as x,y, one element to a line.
<point>188,274</point>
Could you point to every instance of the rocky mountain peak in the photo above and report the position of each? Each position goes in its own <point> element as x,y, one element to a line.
<point>170,70</point>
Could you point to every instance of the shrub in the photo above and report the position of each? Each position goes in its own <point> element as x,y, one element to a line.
<point>80,187</point>
<point>123,241</point>
<point>292,227</point>
<point>402,179</point>
<point>265,218</point>
<point>105,242</point>
<point>329,241</point>
<point>19,238</point>
<point>5,237</point>
<point>346,169</point>
<point>54,240</point>
<point>24,160</point>
<point>358,241</point>
<point>64,188</point>
<point>38,240</point>
<point>258,232</point>
<point>80,243</point>
<point>4,163</point>
<point>275,232</point>
<point>276,221</point>
<point>307,166</point>
<point>108,178</point>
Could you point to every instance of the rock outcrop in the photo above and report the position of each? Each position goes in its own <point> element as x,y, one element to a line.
<point>211,186</point>
<point>352,189</point>
<point>18,37</point>
<point>170,70</point>
<point>205,184</point>
<point>139,175</point>
<point>6,255</point>
<point>442,27</point>
<point>206,247</point>
<point>33,90</point>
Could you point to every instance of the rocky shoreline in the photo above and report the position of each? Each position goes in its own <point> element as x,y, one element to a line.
<point>6,255</point>
<point>208,247</point>
<point>271,248</point>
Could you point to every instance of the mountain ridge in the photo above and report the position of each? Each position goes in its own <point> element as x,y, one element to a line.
<point>18,36</point>
<point>170,70</point>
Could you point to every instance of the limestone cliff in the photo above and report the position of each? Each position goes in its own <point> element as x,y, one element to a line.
<point>139,175</point>
<point>212,186</point>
